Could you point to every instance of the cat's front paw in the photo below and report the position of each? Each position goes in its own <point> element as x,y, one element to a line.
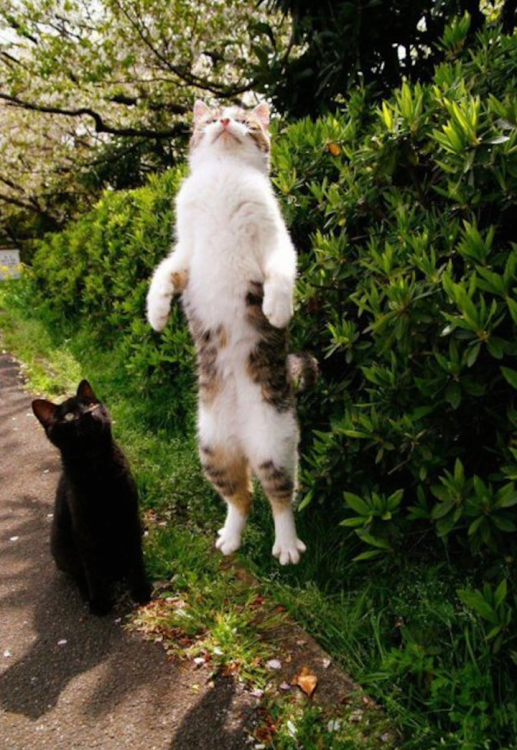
<point>288,551</point>
<point>277,305</point>
<point>227,541</point>
<point>159,306</point>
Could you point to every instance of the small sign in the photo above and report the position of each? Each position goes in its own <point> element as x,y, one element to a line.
<point>9,264</point>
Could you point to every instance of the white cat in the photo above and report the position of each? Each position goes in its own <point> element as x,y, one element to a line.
<point>235,265</point>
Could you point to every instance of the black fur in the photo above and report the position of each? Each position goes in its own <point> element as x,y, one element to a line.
<point>96,534</point>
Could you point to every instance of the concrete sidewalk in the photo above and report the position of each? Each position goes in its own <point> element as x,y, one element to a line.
<point>68,679</point>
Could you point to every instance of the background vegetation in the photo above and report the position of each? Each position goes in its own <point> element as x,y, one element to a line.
<point>403,209</point>
<point>95,96</point>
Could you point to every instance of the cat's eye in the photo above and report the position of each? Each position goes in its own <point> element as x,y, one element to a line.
<point>69,416</point>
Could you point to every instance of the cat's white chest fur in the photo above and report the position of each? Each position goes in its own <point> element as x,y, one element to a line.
<point>225,211</point>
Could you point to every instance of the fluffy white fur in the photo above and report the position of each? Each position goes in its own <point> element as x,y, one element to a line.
<point>229,231</point>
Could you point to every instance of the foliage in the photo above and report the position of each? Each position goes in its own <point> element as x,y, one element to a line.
<point>336,45</point>
<point>403,214</point>
<point>409,292</point>
<point>95,96</point>
<point>98,270</point>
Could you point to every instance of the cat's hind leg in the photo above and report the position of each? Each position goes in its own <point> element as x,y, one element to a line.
<point>226,467</point>
<point>222,457</point>
<point>271,440</point>
<point>228,471</point>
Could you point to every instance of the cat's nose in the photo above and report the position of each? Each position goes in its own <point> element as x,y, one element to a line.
<point>225,121</point>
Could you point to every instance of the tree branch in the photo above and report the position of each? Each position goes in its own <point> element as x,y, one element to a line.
<point>20,204</point>
<point>100,125</point>
<point>182,73</point>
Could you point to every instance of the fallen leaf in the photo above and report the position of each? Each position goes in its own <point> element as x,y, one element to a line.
<point>306,681</point>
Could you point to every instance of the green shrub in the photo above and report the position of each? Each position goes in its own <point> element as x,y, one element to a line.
<point>407,291</point>
<point>96,274</point>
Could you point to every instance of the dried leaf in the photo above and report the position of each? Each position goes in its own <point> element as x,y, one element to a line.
<point>306,681</point>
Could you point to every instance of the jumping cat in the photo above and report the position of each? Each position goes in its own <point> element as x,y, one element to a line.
<point>235,265</point>
<point>96,535</point>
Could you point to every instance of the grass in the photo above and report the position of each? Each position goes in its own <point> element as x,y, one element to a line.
<point>399,629</point>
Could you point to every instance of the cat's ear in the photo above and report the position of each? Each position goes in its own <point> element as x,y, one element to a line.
<point>45,411</point>
<point>85,390</point>
<point>200,111</point>
<point>261,112</point>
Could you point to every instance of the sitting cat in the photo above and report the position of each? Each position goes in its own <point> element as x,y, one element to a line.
<point>235,265</point>
<point>96,534</point>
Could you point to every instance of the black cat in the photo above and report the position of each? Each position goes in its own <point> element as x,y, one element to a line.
<point>96,534</point>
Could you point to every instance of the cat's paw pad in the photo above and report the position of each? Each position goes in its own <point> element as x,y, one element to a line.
<point>289,552</point>
<point>227,542</point>
<point>158,309</point>
<point>277,306</point>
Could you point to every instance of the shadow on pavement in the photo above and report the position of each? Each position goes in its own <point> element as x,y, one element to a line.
<point>210,716</point>
<point>69,640</point>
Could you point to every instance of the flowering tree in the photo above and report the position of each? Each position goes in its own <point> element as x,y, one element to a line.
<point>96,94</point>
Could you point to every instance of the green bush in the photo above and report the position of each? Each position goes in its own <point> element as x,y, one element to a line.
<point>404,217</point>
<point>96,274</point>
<point>408,290</point>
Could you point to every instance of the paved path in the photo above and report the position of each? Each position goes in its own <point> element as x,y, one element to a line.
<point>69,680</point>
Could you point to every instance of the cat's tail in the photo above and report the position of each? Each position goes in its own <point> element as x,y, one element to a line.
<point>303,370</point>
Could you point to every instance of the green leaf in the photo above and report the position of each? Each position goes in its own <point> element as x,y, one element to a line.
<point>373,540</point>
<point>357,503</point>
<point>453,395</point>
<point>510,375</point>
<point>353,522</point>
<point>355,434</point>
<point>369,555</point>
<point>500,592</point>
<point>441,510</point>
<point>504,524</point>
<point>476,601</point>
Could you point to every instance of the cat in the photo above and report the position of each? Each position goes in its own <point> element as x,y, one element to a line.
<point>235,265</point>
<point>96,535</point>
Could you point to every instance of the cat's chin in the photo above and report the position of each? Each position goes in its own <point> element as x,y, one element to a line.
<point>226,139</point>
